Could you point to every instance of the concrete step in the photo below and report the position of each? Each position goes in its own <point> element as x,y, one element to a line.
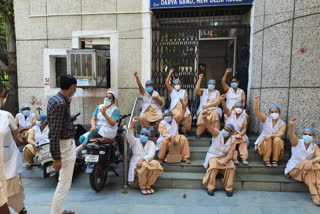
<point>199,153</point>
<point>256,182</point>
<point>254,167</point>
<point>206,141</point>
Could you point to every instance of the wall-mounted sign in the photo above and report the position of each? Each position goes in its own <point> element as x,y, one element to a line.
<point>158,4</point>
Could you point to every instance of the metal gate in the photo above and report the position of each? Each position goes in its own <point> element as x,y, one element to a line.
<point>175,44</point>
<point>177,49</point>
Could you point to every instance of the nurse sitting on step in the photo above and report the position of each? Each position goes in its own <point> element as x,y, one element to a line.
<point>238,118</point>
<point>233,94</point>
<point>269,143</point>
<point>176,94</point>
<point>25,121</point>
<point>304,164</point>
<point>151,110</point>
<point>169,133</point>
<point>219,159</point>
<point>209,102</point>
<point>142,163</point>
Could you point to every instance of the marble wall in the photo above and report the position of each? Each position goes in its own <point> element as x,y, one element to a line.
<point>285,65</point>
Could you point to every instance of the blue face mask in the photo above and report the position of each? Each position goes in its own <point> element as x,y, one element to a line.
<point>26,113</point>
<point>234,84</point>
<point>307,138</point>
<point>143,138</point>
<point>211,87</point>
<point>38,123</point>
<point>149,89</point>
<point>73,94</point>
<point>224,133</point>
<point>167,119</point>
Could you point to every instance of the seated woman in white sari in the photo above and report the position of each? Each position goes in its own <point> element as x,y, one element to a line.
<point>104,123</point>
<point>142,164</point>
<point>176,95</point>
<point>37,136</point>
<point>209,102</point>
<point>269,142</point>
<point>233,93</point>
<point>151,105</point>
<point>304,164</point>
<point>169,134</point>
<point>238,118</point>
<point>219,159</point>
<point>25,121</point>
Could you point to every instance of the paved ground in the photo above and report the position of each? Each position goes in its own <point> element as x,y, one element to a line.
<point>83,199</point>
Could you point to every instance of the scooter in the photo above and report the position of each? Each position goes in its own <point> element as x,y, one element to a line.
<point>102,155</point>
<point>45,159</point>
<point>79,165</point>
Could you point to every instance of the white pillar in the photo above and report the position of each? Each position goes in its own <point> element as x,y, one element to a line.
<point>146,46</point>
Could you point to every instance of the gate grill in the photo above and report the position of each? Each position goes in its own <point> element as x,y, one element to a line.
<point>175,44</point>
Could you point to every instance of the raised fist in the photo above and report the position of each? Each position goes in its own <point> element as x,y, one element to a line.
<point>293,120</point>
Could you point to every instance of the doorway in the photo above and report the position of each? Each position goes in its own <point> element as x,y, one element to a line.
<point>215,56</point>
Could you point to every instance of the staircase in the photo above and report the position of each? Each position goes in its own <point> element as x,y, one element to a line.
<point>255,176</point>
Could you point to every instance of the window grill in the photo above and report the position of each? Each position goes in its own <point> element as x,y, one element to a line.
<point>91,67</point>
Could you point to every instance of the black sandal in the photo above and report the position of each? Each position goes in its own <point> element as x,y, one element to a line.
<point>267,164</point>
<point>275,164</point>
<point>68,212</point>
<point>23,211</point>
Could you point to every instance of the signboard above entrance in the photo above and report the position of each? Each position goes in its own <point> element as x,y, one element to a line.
<point>158,4</point>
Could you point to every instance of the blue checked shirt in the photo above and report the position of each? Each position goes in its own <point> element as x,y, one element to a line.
<point>59,121</point>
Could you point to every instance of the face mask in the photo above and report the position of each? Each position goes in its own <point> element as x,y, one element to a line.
<point>143,138</point>
<point>107,102</point>
<point>307,138</point>
<point>167,119</point>
<point>234,84</point>
<point>73,94</point>
<point>26,113</point>
<point>238,110</point>
<point>177,87</point>
<point>149,89</point>
<point>224,133</point>
<point>211,87</point>
<point>38,123</point>
<point>274,116</point>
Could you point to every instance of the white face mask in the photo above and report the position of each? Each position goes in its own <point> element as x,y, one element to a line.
<point>106,102</point>
<point>238,110</point>
<point>274,116</point>
<point>177,87</point>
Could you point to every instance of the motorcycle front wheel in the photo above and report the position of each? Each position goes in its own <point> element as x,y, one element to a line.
<point>98,177</point>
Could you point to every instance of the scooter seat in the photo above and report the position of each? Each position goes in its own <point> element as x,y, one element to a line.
<point>102,141</point>
<point>93,146</point>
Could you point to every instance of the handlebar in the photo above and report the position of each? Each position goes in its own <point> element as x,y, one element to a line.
<point>123,116</point>
<point>74,117</point>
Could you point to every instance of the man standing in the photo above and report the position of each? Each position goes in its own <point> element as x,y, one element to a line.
<point>62,144</point>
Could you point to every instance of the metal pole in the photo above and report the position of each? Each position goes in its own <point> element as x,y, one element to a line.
<point>125,158</point>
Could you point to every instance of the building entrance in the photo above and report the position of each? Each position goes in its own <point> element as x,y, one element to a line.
<point>198,40</point>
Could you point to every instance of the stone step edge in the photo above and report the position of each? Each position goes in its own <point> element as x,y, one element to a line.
<point>199,163</point>
<point>238,177</point>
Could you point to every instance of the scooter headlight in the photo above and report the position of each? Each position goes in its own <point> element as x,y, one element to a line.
<point>102,152</point>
